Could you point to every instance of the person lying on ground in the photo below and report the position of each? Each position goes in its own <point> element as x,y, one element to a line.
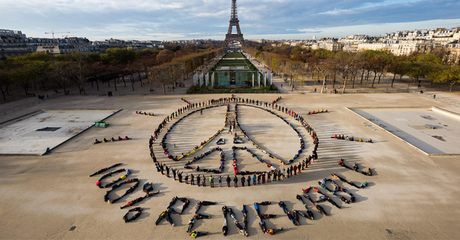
<point>173,201</point>
<point>321,210</point>
<point>105,169</point>
<point>184,206</point>
<point>263,227</point>
<point>139,199</point>
<point>161,217</point>
<point>190,225</point>
<point>256,207</point>
<point>147,187</point>
<point>196,234</point>
<point>272,231</point>
<point>202,216</point>
<point>322,199</point>
<point>292,218</point>
<point>283,206</point>
<point>135,216</point>
<point>267,216</point>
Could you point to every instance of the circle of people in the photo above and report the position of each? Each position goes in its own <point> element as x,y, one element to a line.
<point>260,177</point>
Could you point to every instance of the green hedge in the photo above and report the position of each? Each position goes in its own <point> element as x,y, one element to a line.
<point>201,90</point>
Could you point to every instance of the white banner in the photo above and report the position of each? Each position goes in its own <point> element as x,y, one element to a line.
<point>207,79</point>
<point>271,78</point>
<point>265,79</point>
<point>201,79</point>
<point>258,79</point>
<point>212,80</point>
<point>252,79</point>
<point>195,79</point>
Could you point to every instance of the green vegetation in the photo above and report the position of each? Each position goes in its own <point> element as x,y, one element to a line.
<point>40,71</point>
<point>234,55</point>
<point>202,90</point>
<point>324,65</point>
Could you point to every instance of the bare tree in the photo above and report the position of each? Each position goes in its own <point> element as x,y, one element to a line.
<point>161,75</point>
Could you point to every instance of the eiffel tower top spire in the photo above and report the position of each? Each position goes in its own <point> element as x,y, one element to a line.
<point>234,12</point>
<point>234,22</point>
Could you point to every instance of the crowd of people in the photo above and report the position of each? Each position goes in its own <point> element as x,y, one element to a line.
<point>221,167</point>
<point>185,101</point>
<point>363,184</point>
<point>138,213</point>
<point>342,137</point>
<point>129,191</point>
<point>99,183</point>
<point>170,210</point>
<point>316,112</point>
<point>112,140</point>
<point>242,229</point>
<point>145,113</point>
<point>147,188</point>
<point>318,207</point>
<point>355,168</point>
<point>274,173</point>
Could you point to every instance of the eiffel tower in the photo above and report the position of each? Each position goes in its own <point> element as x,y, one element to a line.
<point>234,22</point>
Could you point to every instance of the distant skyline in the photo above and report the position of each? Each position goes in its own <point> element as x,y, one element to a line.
<point>203,19</point>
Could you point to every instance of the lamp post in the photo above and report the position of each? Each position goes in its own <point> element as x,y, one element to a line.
<point>292,75</point>
<point>172,79</point>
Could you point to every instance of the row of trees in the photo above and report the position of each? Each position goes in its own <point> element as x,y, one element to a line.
<point>40,71</point>
<point>352,68</point>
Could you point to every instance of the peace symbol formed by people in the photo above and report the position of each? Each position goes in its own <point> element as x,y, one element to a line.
<point>230,140</point>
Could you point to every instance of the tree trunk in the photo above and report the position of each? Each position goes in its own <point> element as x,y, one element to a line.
<point>164,89</point>
<point>392,81</point>
<point>123,78</point>
<point>97,85</point>
<point>140,79</point>
<point>451,86</point>
<point>380,75</point>
<point>3,93</point>
<point>25,89</point>
<point>333,81</point>
<point>324,82</point>
<point>132,82</point>
<point>344,84</point>
<point>115,83</point>
<point>373,81</point>
<point>353,81</point>
<point>362,76</point>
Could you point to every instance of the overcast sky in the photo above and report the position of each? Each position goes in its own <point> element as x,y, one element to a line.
<point>203,19</point>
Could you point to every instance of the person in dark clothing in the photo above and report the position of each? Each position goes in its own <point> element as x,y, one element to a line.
<point>266,216</point>
<point>228,181</point>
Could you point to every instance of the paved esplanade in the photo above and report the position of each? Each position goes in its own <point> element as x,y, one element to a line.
<point>411,194</point>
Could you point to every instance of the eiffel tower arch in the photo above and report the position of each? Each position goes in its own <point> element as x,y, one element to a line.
<point>234,22</point>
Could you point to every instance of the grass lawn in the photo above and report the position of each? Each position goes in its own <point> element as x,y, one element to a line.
<point>234,55</point>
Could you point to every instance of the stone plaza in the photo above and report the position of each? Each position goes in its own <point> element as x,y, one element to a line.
<point>410,195</point>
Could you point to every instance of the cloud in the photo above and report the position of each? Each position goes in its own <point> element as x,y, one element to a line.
<point>370,6</point>
<point>96,19</point>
